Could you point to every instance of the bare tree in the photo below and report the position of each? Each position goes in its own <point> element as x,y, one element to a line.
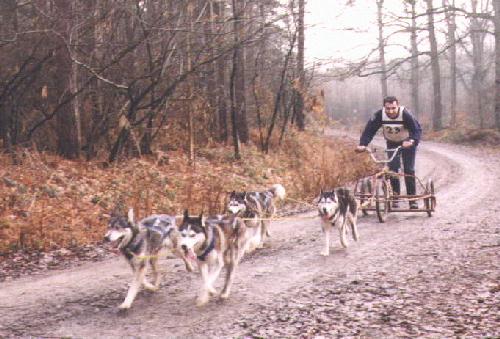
<point>451,41</point>
<point>381,47</point>
<point>68,133</point>
<point>437,123</point>
<point>8,30</point>
<point>496,20</point>
<point>414,92</point>
<point>219,14</point>
<point>280,92</point>
<point>239,99</point>
<point>107,77</point>
<point>299,96</point>
<point>478,28</point>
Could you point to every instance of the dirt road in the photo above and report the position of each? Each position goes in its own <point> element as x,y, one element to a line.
<point>413,276</point>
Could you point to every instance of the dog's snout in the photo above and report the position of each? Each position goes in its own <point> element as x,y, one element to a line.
<point>324,210</point>
<point>184,248</point>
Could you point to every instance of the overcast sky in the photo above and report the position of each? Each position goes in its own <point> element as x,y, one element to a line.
<point>325,37</point>
<point>327,21</point>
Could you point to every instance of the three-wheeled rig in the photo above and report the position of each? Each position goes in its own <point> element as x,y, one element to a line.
<point>375,192</point>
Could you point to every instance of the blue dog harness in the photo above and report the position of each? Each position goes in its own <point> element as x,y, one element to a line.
<point>207,250</point>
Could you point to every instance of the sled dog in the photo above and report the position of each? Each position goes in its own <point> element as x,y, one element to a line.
<point>256,205</point>
<point>213,243</point>
<point>140,243</point>
<point>338,208</point>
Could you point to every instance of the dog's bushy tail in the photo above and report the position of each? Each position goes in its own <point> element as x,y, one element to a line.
<point>278,191</point>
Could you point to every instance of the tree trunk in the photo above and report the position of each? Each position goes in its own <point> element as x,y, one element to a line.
<point>74,83</point>
<point>450,21</point>
<point>477,37</point>
<point>211,81</point>
<point>381,48</point>
<point>239,75</point>
<point>218,8</point>
<point>147,137</point>
<point>414,62</point>
<point>189,18</point>
<point>8,28</point>
<point>67,130</point>
<point>260,62</point>
<point>280,93</point>
<point>437,113</point>
<point>97,126</point>
<point>234,118</point>
<point>299,103</point>
<point>496,5</point>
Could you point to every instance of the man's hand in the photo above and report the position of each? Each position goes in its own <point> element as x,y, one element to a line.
<point>360,149</point>
<point>408,143</point>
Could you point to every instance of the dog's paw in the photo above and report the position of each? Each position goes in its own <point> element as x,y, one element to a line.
<point>224,295</point>
<point>212,291</point>
<point>325,253</point>
<point>189,266</point>
<point>124,306</point>
<point>201,301</point>
<point>150,287</point>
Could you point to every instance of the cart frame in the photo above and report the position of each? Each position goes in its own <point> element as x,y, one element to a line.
<point>375,191</point>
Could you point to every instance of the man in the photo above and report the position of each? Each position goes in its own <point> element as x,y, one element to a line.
<point>400,129</point>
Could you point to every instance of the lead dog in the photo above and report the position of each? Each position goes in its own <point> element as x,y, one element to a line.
<point>213,243</point>
<point>141,243</point>
<point>338,208</point>
<point>256,206</point>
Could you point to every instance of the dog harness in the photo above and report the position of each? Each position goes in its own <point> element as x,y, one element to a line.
<point>208,249</point>
<point>165,232</point>
<point>130,249</point>
<point>394,129</point>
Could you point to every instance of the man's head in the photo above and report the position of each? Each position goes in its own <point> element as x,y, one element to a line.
<point>391,105</point>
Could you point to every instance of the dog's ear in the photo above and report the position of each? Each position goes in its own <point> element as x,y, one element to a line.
<point>186,213</point>
<point>130,216</point>
<point>173,222</point>
<point>202,219</point>
<point>335,195</point>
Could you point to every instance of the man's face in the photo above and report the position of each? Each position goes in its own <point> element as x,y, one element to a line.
<point>391,109</point>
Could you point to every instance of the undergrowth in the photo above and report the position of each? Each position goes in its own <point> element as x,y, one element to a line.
<point>49,203</point>
<point>468,136</point>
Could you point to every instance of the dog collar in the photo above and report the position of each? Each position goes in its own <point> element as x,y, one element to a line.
<point>207,250</point>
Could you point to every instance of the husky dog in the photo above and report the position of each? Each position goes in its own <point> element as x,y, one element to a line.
<point>256,205</point>
<point>213,243</point>
<point>141,243</point>
<point>337,208</point>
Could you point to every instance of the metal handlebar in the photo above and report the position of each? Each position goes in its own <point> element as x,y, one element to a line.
<point>379,161</point>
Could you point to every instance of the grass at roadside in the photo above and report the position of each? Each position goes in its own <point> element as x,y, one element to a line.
<point>470,136</point>
<point>49,203</point>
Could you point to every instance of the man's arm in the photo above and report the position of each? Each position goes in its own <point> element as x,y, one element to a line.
<point>371,128</point>
<point>413,126</point>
